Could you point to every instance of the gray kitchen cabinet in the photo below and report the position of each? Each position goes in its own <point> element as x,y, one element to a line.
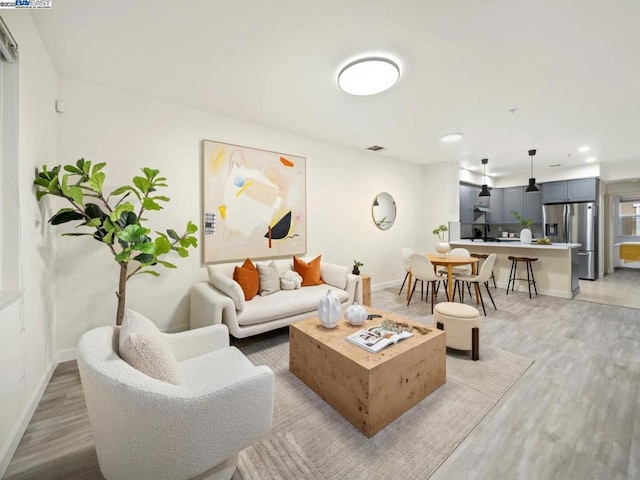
<point>581,190</point>
<point>533,206</point>
<point>468,198</point>
<point>497,205</point>
<point>513,200</point>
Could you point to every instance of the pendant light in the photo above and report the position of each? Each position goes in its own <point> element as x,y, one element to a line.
<point>532,187</point>
<point>485,190</point>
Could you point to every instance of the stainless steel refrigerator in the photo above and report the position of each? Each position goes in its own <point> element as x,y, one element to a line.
<point>575,223</point>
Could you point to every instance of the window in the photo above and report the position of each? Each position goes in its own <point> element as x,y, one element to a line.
<point>629,212</point>
<point>9,174</point>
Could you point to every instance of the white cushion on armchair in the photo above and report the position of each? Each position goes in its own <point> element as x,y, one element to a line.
<point>145,428</point>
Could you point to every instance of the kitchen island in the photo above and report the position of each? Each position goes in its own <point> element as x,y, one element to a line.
<point>556,270</point>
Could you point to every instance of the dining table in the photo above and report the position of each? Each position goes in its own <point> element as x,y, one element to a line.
<point>449,262</point>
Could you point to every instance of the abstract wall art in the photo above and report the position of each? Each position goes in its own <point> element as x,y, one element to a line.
<point>254,203</point>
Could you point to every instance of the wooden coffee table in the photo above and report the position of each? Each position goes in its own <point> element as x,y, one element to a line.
<point>368,389</point>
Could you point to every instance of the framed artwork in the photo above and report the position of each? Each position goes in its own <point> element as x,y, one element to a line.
<point>254,203</point>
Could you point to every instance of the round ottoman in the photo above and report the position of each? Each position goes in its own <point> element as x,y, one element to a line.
<point>462,324</point>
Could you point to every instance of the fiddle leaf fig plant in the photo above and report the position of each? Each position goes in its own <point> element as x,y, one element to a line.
<point>116,220</point>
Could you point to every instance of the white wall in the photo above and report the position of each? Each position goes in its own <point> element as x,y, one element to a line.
<point>130,131</point>
<point>34,346</point>
<point>440,202</point>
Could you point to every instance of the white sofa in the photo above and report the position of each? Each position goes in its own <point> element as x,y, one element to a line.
<point>148,429</point>
<point>209,306</point>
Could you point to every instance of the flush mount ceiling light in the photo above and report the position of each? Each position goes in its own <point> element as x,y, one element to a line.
<point>584,148</point>
<point>532,187</point>
<point>451,137</point>
<point>590,160</point>
<point>368,76</point>
<point>485,190</point>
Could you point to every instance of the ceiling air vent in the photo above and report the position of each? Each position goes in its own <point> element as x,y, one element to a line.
<point>555,165</point>
<point>375,148</point>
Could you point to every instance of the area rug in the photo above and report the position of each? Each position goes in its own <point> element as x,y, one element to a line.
<point>311,440</point>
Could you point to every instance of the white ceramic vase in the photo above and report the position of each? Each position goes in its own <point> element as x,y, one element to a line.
<point>329,310</point>
<point>525,235</point>
<point>443,248</point>
<point>355,314</point>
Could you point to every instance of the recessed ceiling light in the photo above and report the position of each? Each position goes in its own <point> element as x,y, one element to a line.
<point>368,76</point>
<point>451,137</point>
<point>584,148</point>
<point>590,159</point>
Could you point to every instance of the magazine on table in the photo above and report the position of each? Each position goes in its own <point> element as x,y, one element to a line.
<point>374,339</point>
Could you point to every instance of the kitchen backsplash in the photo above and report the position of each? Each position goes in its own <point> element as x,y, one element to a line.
<point>470,230</point>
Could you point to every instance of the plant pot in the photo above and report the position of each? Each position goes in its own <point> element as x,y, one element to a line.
<point>355,271</point>
<point>443,249</point>
<point>525,235</point>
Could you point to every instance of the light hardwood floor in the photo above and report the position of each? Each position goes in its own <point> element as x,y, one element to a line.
<point>575,414</point>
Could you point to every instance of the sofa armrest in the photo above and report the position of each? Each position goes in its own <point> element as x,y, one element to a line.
<point>354,288</point>
<point>209,306</point>
<point>194,343</point>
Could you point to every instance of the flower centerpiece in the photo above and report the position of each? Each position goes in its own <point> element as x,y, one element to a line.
<point>525,223</point>
<point>442,247</point>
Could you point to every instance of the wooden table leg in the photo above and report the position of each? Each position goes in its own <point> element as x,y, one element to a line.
<point>450,279</point>
<point>409,278</point>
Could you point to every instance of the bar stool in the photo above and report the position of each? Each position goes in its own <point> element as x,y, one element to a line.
<point>483,257</point>
<point>531,280</point>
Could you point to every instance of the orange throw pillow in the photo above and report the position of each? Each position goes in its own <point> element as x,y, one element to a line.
<point>247,277</point>
<point>310,272</point>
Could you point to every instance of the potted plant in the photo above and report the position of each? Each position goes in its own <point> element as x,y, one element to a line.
<point>356,267</point>
<point>114,221</point>
<point>525,223</point>
<point>442,247</point>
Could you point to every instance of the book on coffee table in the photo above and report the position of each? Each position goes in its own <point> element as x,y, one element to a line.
<point>374,339</point>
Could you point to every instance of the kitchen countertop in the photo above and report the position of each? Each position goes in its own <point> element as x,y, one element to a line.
<point>553,246</point>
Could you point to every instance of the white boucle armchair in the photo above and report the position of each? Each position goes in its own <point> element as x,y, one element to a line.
<point>148,429</point>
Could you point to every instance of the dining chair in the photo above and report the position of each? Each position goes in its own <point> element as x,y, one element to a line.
<point>406,253</point>
<point>422,271</point>
<point>464,270</point>
<point>482,278</point>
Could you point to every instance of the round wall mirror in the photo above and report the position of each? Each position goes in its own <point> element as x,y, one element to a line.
<point>383,211</point>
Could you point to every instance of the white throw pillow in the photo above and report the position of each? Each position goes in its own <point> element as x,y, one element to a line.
<point>142,345</point>
<point>228,286</point>
<point>335,275</point>
<point>269,278</point>
<point>290,280</point>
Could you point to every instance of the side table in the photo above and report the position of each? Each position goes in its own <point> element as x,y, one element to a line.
<point>366,289</point>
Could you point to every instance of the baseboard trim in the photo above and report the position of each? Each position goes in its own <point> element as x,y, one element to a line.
<point>66,355</point>
<point>21,426</point>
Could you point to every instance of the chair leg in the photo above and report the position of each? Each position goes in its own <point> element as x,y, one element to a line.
<point>510,277</point>
<point>493,277</point>
<point>528,279</point>
<point>412,290</point>
<point>486,285</point>
<point>421,289</point>
<point>433,295</point>
<point>426,297</point>
<point>533,278</point>
<point>481,300</point>
<point>469,288</point>
<point>403,282</point>
<point>475,343</point>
